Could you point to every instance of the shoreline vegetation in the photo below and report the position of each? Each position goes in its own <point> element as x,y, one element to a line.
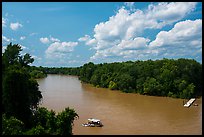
<point>21,114</point>
<point>177,78</point>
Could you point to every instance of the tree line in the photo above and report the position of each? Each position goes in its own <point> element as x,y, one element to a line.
<point>21,114</point>
<point>178,78</point>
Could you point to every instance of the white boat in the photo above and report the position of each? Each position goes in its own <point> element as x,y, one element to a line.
<point>189,102</point>
<point>92,122</point>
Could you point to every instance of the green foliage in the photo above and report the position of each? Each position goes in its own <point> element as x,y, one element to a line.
<point>25,60</point>
<point>12,126</point>
<point>87,71</point>
<point>11,54</point>
<point>62,70</point>
<point>124,82</point>
<point>95,79</point>
<point>165,77</point>
<point>65,121</point>
<point>37,74</point>
<point>112,85</point>
<point>44,122</point>
<point>53,124</point>
<point>22,96</point>
<point>152,86</point>
<point>38,130</point>
<point>41,117</point>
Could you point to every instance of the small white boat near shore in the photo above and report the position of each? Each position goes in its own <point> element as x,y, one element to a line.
<point>189,102</point>
<point>93,123</point>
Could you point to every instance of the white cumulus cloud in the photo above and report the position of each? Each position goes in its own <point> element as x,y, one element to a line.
<point>59,49</point>
<point>45,40</point>
<point>187,32</point>
<point>170,12</point>
<point>88,40</point>
<point>15,26</point>
<point>184,39</point>
<point>54,39</point>
<point>122,34</point>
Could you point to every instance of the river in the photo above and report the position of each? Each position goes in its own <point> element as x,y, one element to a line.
<point>120,113</point>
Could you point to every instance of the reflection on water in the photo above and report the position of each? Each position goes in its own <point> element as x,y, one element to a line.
<point>121,113</point>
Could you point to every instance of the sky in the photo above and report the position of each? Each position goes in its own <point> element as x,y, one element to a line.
<point>70,34</point>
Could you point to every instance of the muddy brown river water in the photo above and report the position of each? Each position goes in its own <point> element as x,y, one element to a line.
<point>120,113</point>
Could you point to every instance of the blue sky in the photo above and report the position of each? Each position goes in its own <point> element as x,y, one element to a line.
<point>70,34</point>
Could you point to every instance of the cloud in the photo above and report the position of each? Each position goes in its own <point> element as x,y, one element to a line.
<point>3,49</point>
<point>126,49</point>
<point>184,39</point>
<point>130,5</point>
<point>170,12</point>
<point>121,35</point>
<point>3,22</point>
<point>87,39</point>
<point>60,49</point>
<point>15,26</point>
<point>45,40</point>
<point>49,40</point>
<point>22,37</point>
<point>5,39</point>
<point>187,32</point>
<point>54,39</point>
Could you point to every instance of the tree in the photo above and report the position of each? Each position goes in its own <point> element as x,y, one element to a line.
<point>87,71</point>
<point>40,117</point>
<point>25,60</point>
<point>125,82</point>
<point>20,94</point>
<point>95,79</point>
<point>188,92</point>
<point>12,126</point>
<point>112,85</point>
<point>11,54</point>
<point>20,98</point>
<point>38,130</point>
<point>65,121</point>
<point>130,76</point>
<point>48,123</point>
<point>152,87</point>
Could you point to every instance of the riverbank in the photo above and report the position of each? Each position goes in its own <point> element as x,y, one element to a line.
<point>166,115</point>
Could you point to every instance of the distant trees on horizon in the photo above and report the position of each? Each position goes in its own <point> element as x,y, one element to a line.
<point>180,78</point>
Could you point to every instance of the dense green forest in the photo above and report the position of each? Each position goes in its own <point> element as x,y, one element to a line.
<point>181,78</point>
<point>21,114</point>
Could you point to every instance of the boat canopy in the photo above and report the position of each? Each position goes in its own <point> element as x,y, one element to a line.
<point>93,120</point>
